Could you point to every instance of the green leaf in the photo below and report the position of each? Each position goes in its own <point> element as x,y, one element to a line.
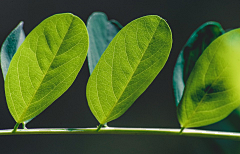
<point>128,66</point>
<point>10,46</point>
<point>45,65</point>
<point>190,53</point>
<point>101,32</point>
<point>212,89</point>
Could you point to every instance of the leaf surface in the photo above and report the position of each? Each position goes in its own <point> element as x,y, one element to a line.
<point>128,66</point>
<point>10,46</point>
<point>45,65</point>
<point>212,89</point>
<point>101,31</point>
<point>190,53</point>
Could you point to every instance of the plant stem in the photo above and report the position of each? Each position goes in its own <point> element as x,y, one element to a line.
<point>132,131</point>
<point>15,127</point>
<point>181,130</point>
<point>99,127</point>
<point>24,125</point>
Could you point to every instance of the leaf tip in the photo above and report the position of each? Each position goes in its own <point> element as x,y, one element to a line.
<point>21,23</point>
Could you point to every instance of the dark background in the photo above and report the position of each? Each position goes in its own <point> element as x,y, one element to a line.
<point>154,108</point>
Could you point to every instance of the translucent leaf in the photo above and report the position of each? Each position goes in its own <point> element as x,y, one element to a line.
<point>128,66</point>
<point>45,65</point>
<point>190,53</point>
<point>101,32</point>
<point>10,46</point>
<point>212,89</point>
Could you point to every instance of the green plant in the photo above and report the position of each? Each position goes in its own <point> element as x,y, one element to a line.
<point>121,67</point>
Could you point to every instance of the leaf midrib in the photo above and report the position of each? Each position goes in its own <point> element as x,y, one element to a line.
<point>131,75</point>
<point>29,104</point>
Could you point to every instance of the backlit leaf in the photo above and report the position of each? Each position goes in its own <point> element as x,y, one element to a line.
<point>101,31</point>
<point>128,66</point>
<point>190,53</point>
<point>212,89</point>
<point>10,46</point>
<point>45,65</point>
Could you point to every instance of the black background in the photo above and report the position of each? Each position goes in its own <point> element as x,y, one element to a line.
<point>154,108</point>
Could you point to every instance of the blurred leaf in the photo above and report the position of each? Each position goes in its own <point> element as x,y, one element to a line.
<point>10,46</point>
<point>190,53</point>
<point>45,65</point>
<point>212,89</point>
<point>196,44</point>
<point>101,32</point>
<point>128,66</point>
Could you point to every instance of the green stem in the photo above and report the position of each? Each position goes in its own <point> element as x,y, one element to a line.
<point>130,131</point>
<point>15,127</point>
<point>99,127</point>
<point>23,125</point>
<point>181,130</point>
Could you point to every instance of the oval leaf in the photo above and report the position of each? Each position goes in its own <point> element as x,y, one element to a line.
<point>45,65</point>
<point>10,46</point>
<point>101,32</point>
<point>128,66</point>
<point>212,89</point>
<point>190,53</point>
